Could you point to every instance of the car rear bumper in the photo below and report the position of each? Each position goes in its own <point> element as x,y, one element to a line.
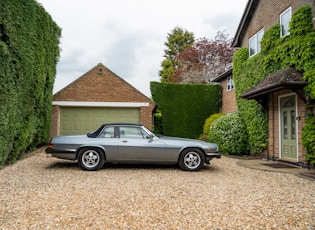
<point>67,154</point>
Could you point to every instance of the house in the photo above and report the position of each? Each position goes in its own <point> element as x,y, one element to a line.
<point>228,92</point>
<point>280,92</point>
<point>98,96</point>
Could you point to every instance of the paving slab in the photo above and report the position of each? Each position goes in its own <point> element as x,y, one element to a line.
<point>276,166</point>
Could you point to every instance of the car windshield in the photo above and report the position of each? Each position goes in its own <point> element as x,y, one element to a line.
<point>148,131</point>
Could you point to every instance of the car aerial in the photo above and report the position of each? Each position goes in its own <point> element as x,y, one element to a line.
<point>131,144</point>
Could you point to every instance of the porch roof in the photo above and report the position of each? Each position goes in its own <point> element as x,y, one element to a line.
<point>287,78</point>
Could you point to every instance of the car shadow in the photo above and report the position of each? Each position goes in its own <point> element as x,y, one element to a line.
<point>64,165</point>
<point>73,165</point>
<point>108,166</point>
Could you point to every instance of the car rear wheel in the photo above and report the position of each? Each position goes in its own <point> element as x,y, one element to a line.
<point>191,160</point>
<point>91,159</point>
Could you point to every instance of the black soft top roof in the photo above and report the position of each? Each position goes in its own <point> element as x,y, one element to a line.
<point>95,133</point>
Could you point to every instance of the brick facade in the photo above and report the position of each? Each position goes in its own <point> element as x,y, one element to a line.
<point>228,99</point>
<point>101,85</point>
<point>266,15</point>
<point>228,96</point>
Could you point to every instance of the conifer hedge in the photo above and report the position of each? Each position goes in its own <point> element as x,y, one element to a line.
<point>185,107</point>
<point>29,52</point>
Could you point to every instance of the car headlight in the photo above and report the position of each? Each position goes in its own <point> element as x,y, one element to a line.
<point>212,150</point>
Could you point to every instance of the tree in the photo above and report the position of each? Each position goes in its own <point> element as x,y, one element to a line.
<point>177,41</point>
<point>204,60</point>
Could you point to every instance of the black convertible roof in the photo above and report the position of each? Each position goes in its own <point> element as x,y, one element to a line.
<point>95,133</point>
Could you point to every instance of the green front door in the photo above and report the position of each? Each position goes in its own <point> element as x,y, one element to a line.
<point>288,128</point>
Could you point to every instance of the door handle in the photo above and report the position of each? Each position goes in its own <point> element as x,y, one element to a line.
<point>124,141</point>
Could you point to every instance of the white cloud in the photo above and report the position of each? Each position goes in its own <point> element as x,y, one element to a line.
<point>128,36</point>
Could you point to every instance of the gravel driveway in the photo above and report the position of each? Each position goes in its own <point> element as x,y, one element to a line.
<point>42,192</point>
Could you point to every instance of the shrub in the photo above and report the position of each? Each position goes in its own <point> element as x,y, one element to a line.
<point>229,132</point>
<point>308,137</point>
<point>209,121</point>
<point>158,124</point>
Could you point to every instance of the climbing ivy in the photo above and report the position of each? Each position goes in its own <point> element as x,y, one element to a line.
<point>296,50</point>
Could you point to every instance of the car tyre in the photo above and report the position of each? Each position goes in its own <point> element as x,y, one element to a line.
<point>91,159</point>
<point>191,160</point>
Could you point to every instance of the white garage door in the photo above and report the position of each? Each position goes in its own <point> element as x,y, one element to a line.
<point>81,120</point>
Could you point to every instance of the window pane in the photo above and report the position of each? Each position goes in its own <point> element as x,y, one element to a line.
<point>285,125</point>
<point>285,18</point>
<point>293,125</point>
<point>228,83</point>
<point>252,46</point>
<point>108,132</point>
<point>130,132</point>
<point>260,34</point>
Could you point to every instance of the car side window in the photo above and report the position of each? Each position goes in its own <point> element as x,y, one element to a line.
<point>130,132</point>
<point>108,132</point>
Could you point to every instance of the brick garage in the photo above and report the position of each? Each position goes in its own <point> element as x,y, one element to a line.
<point>98,96</point>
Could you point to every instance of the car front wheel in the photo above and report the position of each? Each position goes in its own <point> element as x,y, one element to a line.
<point>191,160</point>
<point>91,159</point>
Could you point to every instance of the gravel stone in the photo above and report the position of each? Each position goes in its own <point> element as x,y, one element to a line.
<point>42,192</point>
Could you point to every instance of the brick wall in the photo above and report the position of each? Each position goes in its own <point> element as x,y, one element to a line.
<point>228,99</point>
<point>101,85</point>
<point>267,15</point>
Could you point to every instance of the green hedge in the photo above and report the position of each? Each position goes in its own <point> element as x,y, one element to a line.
<point>29,52</point>
<point>185,107</point>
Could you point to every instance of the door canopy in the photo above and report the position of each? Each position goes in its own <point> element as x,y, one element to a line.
<point>287,78</point>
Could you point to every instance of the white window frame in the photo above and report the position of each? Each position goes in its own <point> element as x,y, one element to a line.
<point>255,41</point>
<point>286,13</point>
<point>230,84</point>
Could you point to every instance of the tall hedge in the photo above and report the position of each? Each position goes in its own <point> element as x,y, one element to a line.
<point>185,107</point>
<point>29,52</point>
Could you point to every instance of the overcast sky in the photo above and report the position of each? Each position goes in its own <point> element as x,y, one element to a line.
<point>128,36</point>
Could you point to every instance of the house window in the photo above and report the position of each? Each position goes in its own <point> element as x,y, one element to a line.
<point>254,43</point>
<point>285,18</point>
<point>230,84</point>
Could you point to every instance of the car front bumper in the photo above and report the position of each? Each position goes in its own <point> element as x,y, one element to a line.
<point>210,156</point>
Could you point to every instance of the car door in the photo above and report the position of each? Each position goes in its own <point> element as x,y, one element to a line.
<point>135,146</point>
<point>109,139</point>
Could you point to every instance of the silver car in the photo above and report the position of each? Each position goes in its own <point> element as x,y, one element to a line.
<point>132,144</point>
